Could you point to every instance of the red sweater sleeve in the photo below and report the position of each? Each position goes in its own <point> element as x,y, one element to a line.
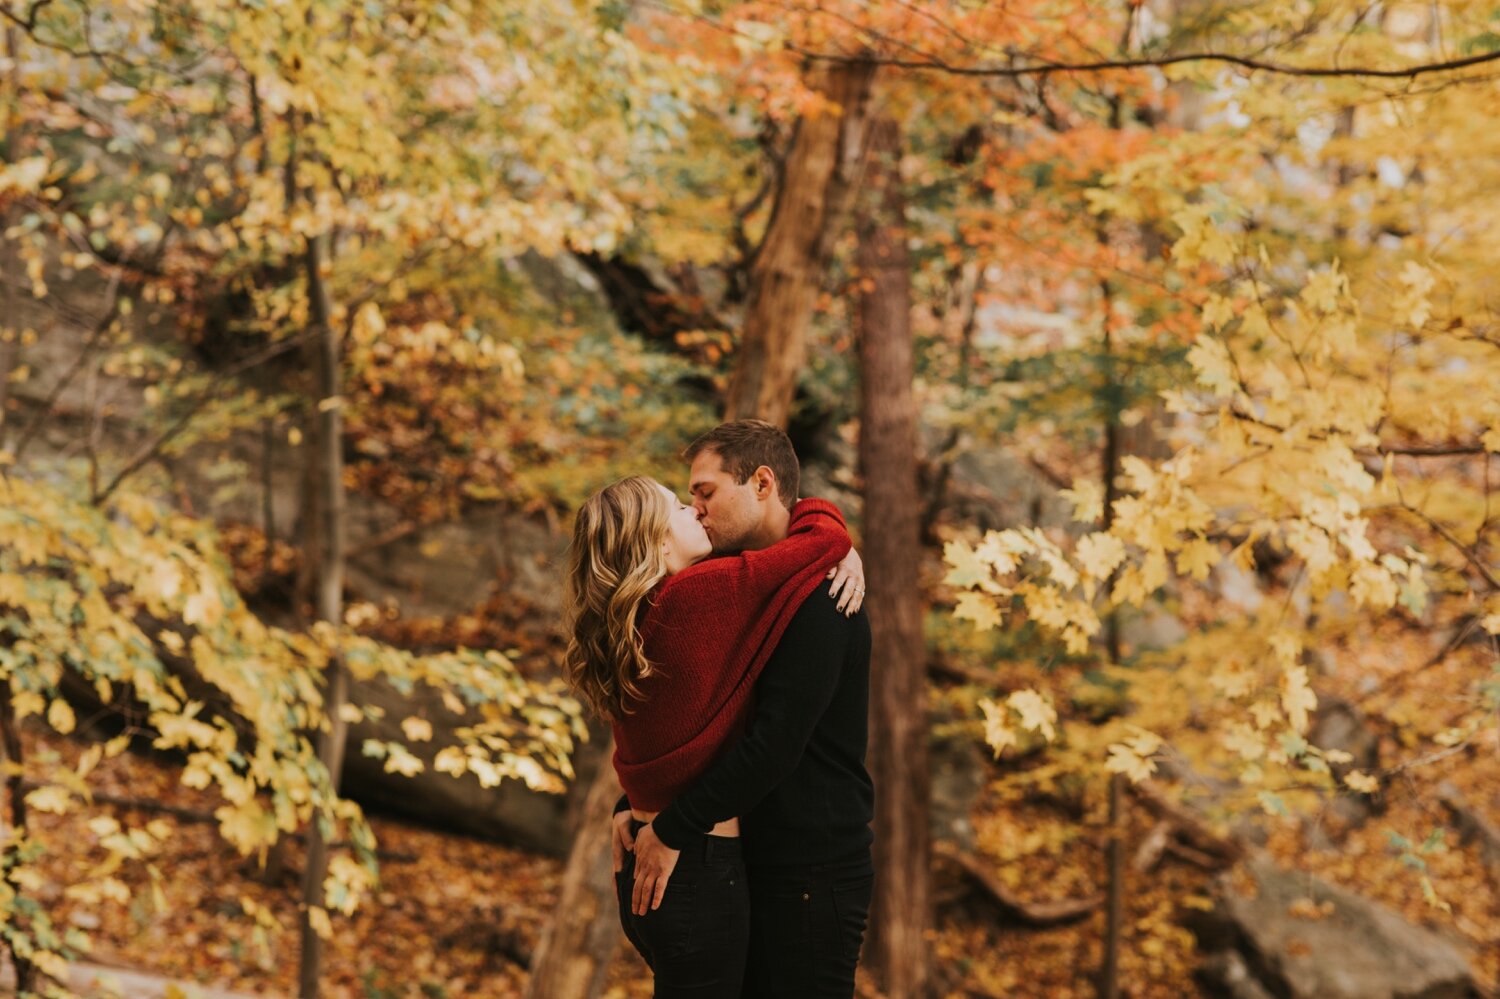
<point>816,534</point>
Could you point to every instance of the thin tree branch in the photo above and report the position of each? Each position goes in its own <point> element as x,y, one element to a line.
<point>150,450</point>
<point>1470,556</point>
<point>101,327</point>
<point>933,64</point>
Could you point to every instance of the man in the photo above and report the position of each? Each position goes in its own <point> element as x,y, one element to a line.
<point>796,778</point>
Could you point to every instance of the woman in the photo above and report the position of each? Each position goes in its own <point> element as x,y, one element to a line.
<point>667,647</point>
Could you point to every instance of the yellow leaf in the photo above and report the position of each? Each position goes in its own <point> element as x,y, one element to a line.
<point>1297,697</point>
<point>978,608</point>
<point>166,578</point>
<point>60,716</point>
<point>1417,282</point>
<point>1123,760</point>
<point>1142,742</point>
<point>1218,310</point>
<point>1210,360</point>
<point>1099,554</point>
<point>1087,497</point>
<point>968,569</point>
<point>1358,780</point>
<point>51,964</point>
<point>1265,714</point>
<point>451,760</point>
<point>417,729</point>
<point>1037,713</point>
<point>1197,558</point>
<point>402,762</point>
<point>89,760</point>
<point>50,799</point>
<point>203,609</point>
<point>27,702</point>
<point>317,917</point>
<point>1244,741</point>
<point>1287,647</point>
<point>997,733</point>
<point>248,826</point>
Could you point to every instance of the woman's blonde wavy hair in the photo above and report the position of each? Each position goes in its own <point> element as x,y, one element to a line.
<point>615,560</point>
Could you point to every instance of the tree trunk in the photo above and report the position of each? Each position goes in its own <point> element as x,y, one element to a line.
<point>900,914</point>
<point>327,454</point>
<point>1111,394</point>
<point>1114,913</point>
<point>10,345</point>
<point>15,833</point>
<point>817,186</point>
<point>573,955</point>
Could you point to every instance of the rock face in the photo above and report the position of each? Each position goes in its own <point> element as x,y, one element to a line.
<point>958,776</point>
<point>510,813</point>
<point>1297,937</point>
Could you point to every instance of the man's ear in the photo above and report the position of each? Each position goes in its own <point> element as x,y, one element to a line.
<point>765,483</point>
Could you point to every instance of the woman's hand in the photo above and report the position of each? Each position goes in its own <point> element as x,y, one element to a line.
<point>654,863</point>
<point>849,583</point>
<point>620,839</point>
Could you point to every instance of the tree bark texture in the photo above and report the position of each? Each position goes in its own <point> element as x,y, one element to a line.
<point>10,347</point>
<point>817,186</point>
<point>328,474</point>
<point>901,911</point>
<point>14,832</point>
<point>573,955</point>
<point>1111,393</point>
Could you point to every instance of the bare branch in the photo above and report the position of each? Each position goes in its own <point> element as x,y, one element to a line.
<point>932,64</point>
<point>101,327</point>
<point>152,448</point>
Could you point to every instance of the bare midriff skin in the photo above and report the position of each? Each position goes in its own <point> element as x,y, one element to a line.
<point>729,827</point>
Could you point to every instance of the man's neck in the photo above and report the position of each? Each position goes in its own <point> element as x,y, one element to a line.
<point>771,531</point>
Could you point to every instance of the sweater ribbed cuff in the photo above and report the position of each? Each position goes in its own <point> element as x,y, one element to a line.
<point>673,829</point>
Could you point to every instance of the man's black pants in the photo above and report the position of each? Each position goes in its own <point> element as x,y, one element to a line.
<point>807,925</point>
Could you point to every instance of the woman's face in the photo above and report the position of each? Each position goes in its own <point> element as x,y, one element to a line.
<point>687,542</point>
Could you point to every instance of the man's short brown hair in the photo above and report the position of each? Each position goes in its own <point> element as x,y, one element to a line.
<point>745,445</point>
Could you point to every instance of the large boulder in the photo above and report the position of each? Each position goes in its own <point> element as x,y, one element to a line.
<point>510,812</point>
<point>1297,937</point>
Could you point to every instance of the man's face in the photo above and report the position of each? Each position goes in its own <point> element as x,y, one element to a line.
<point>728,509</point>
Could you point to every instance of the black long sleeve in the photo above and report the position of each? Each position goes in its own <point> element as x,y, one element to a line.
<point>796,778</point>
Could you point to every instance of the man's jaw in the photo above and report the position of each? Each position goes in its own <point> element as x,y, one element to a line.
<point>723,545</point>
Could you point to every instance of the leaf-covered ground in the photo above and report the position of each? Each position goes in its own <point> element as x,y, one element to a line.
<point>455,916</point>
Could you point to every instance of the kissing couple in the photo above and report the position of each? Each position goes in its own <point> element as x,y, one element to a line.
<point>723,641</point>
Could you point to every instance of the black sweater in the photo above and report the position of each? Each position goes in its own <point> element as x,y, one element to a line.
<point>797,777</point>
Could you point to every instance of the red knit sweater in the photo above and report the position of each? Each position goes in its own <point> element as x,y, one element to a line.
<point>708,633</point>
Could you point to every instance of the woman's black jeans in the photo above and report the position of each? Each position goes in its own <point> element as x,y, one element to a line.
<point>696,941</point>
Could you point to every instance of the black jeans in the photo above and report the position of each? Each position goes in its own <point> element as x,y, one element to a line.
<point>807,925</point>
<point>696,941</point>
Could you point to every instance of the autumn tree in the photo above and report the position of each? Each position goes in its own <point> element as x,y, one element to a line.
<point>270,179</point>
<point>901,911</point>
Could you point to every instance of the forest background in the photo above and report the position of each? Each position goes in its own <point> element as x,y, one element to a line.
<point>1150,346</point>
